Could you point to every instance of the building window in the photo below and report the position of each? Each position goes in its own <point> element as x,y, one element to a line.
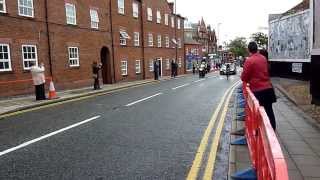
<point>5,60</point>
<point>135,10</point>
<point>158,17</point>
<point>150,40</point>
<point>179,43</point>
<point>180,62</point>
<point>123,37</point>
<point>121,6</point>
<point>172,22</point>
<point>3,6</point>
<point>94,19</point>
<point>166,19</point>
<point>124,68</point>
<point>178,24</point>
<point>71,14</point>
<point>73,56</point>
<point>136,39</point>
<point>151,65</point>
<point>159,41</point>
<point>149,11</point>
<point>138,66</point>
<point>167,42</point>
<point>168,64</point>
<point>26,8</point>
<point>29,56</point>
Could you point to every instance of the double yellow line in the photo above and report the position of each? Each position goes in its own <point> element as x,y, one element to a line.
<point>197,162</point>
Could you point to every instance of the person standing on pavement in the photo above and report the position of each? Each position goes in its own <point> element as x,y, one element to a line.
<point>95,74</point>
<point>39,81</point>
<point>172,68</point>
<point>156,70</point>
<point>256,74</point>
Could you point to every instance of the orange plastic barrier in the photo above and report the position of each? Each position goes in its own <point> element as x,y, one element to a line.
<point>264,148</point>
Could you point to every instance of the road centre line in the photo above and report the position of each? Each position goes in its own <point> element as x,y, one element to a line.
<point>47,136</point>
<point>208,173</point>
<point>144,99</point>
<point>181,86</point>
<point>196,165</point>
<point>199,80</point>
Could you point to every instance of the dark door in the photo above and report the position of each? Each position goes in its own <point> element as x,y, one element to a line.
<point>106,66</point>
<point>160,67</point>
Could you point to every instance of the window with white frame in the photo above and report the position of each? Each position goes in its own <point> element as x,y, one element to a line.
<point>179,43</point>
<point>5,60</point>
<point>136,39</point>
<point>26,8</point>
<point>138,66</point>
<point>135,10</point>
<point>166,19</point>
<point>158,17</point>
<point>167,42</point>
<point>150,39</point>
<point>29,56</point>
<point>159,41</point>
<point>149,12</point>
<point>124,67</point>
<point>73,56</point>
<point>3,6</point>
<point>71,14</point>
<point>180,62</point>
<point>123,37</point>
<point>151,65</point>
<point>168,64</point>
<point>172,21</point>
<point>121,6</point>
<point>179,24</point>
<point>94,18</point>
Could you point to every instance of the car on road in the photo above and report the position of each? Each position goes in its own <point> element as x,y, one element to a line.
<point>233,69</point>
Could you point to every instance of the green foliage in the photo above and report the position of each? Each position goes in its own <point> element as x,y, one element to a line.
<point>238,46</point>
<point>261,39</point>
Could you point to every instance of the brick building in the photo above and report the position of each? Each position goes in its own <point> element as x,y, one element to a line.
<point>67,36</point>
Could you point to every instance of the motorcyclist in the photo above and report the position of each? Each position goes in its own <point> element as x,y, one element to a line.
<point>228,70</point>
<point>202,69</point>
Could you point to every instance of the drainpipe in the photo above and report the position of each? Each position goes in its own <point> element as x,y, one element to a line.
<point>142,42</point>
<point>112,41</point>
<point>48,39</point>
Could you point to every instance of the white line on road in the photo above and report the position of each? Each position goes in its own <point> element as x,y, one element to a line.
<point>135,102</point>
<point>47,136</point>
<point>181,86</point>
<point>199,80</point>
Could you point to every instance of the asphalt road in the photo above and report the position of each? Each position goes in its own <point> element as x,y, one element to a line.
<point>148,132</point>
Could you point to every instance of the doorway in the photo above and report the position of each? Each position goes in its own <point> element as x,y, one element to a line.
<point>106,65</point>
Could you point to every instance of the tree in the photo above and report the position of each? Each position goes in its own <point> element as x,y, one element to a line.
<point>238,46</point>
<point>261,39</point>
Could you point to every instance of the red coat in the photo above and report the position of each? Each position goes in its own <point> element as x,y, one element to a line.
<point>255,72</point>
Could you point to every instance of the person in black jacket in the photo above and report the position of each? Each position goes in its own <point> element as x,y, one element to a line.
<point>156,70</point>
<point>95,74</point>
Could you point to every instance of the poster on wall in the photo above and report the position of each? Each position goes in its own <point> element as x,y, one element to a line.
<point>297,67</point>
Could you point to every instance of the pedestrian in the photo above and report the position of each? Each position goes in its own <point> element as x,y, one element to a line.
<point>255,72</point>
<point>172,68</point>
<point>175,69</point>
<point>95,74</point>
<point>39,81</point>
<point>156,70</point>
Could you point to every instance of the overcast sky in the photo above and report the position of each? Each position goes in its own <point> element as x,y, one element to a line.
<point>237,17</point>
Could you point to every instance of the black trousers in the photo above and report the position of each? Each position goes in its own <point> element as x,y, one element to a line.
<point>40,92</point>
<point>266,98</point>
<point>96,84</point>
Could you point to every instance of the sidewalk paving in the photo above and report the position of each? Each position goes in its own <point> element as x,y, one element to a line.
<point>13,104</point>
<point>299,136</point>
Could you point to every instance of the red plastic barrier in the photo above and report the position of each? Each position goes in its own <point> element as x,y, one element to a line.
<point>264,148</point>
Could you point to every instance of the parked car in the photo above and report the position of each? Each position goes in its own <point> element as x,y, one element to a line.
<point>233,69</point>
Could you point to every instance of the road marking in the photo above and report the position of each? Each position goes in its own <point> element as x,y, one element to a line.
<point>196,165</point>
<point>208,173</point>
<point>47,136</point>
<point>180,86</point>
<point>199,80</point>
<point>138,101</point>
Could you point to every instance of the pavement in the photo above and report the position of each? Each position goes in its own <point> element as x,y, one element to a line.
<point>147,132</point>
<point>299,137</point>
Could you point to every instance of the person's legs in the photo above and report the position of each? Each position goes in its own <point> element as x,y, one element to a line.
<point>95,85</point>
<point>270,113</point>
<point>37,92</point>
<point>42,91</point>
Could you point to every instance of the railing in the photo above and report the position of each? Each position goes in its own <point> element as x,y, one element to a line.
<point>264,148</point>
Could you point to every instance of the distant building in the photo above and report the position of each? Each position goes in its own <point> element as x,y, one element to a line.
<point>315,53</point>
<point>290,42</point>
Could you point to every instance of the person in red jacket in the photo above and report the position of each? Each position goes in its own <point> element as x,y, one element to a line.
<point>256,74</point>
